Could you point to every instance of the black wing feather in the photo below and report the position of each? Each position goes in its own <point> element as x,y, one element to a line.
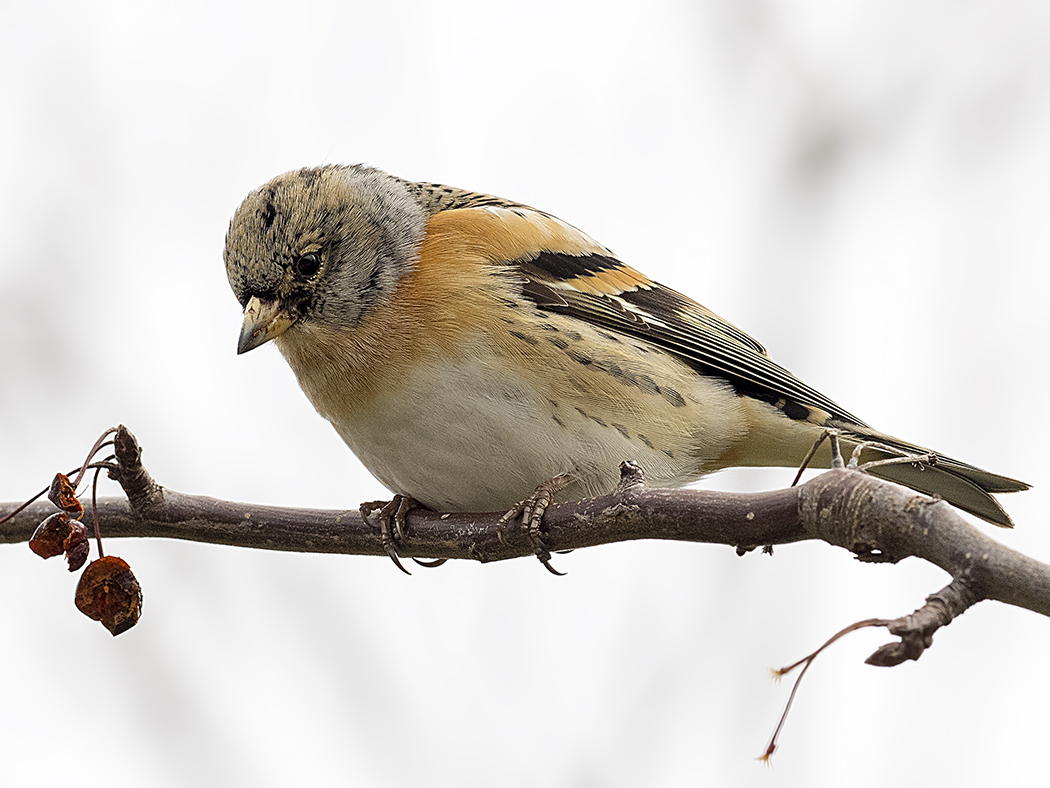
<point>671,321</point>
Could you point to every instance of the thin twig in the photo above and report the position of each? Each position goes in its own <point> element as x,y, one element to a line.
<point>94,450</point>
<point>94,511</point>
<point>806,662</point>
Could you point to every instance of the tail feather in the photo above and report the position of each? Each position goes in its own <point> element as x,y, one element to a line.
<point>961,485</point>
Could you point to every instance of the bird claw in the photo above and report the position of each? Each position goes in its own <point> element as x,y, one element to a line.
<point>430,564</point>
<point>531,511</point>
<point>392,513</point>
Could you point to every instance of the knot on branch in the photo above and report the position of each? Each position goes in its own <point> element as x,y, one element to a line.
<point>142,491</point>
<point>916,630</point>
<point>632,478</point>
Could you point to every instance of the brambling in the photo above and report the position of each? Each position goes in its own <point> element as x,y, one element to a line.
<point>467,348</point>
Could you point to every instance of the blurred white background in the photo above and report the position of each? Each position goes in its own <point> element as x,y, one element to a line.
<point>863,186</point>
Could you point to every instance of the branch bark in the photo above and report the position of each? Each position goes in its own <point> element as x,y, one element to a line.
<point>875,519</point>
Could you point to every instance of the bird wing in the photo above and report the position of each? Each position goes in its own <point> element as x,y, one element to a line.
<point>564,271</point>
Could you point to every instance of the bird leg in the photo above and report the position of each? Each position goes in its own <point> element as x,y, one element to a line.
<point>531,511</point>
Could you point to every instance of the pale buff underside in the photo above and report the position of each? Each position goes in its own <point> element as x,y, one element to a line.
<point>472,403</point>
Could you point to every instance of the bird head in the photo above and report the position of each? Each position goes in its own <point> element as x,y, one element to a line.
<point>319,244</point>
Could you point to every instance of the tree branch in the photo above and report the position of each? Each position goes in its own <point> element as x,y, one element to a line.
<point>875,519</point>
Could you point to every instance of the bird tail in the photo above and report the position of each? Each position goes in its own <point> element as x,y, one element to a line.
<point>961,485</point>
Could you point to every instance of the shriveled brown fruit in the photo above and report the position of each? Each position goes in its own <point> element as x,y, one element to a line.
<point>108,592</point>
<point>49,538</point>
<point>63,495</point>
<point>58,534</point>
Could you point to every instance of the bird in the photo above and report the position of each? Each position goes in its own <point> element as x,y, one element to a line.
<point>479,355</point>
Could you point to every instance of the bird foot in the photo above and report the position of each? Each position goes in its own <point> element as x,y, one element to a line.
<point>392,524</point>
<point>929,458</point>
<point>531,511</point>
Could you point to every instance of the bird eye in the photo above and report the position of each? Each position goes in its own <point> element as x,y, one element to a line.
<point>306,265</point>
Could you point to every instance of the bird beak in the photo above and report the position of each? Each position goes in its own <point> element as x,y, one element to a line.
<point>263,321</point>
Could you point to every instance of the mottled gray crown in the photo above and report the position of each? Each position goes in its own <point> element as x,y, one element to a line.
<point>364,226</point>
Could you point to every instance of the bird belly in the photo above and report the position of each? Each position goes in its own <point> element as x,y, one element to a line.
<point>477,433</point>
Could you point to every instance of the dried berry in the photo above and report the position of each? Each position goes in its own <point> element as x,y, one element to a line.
<point>58,534</point>
<point>77,554</point>
<point>64,496</point>
<point>49,537</point>
<point>108,592</point>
